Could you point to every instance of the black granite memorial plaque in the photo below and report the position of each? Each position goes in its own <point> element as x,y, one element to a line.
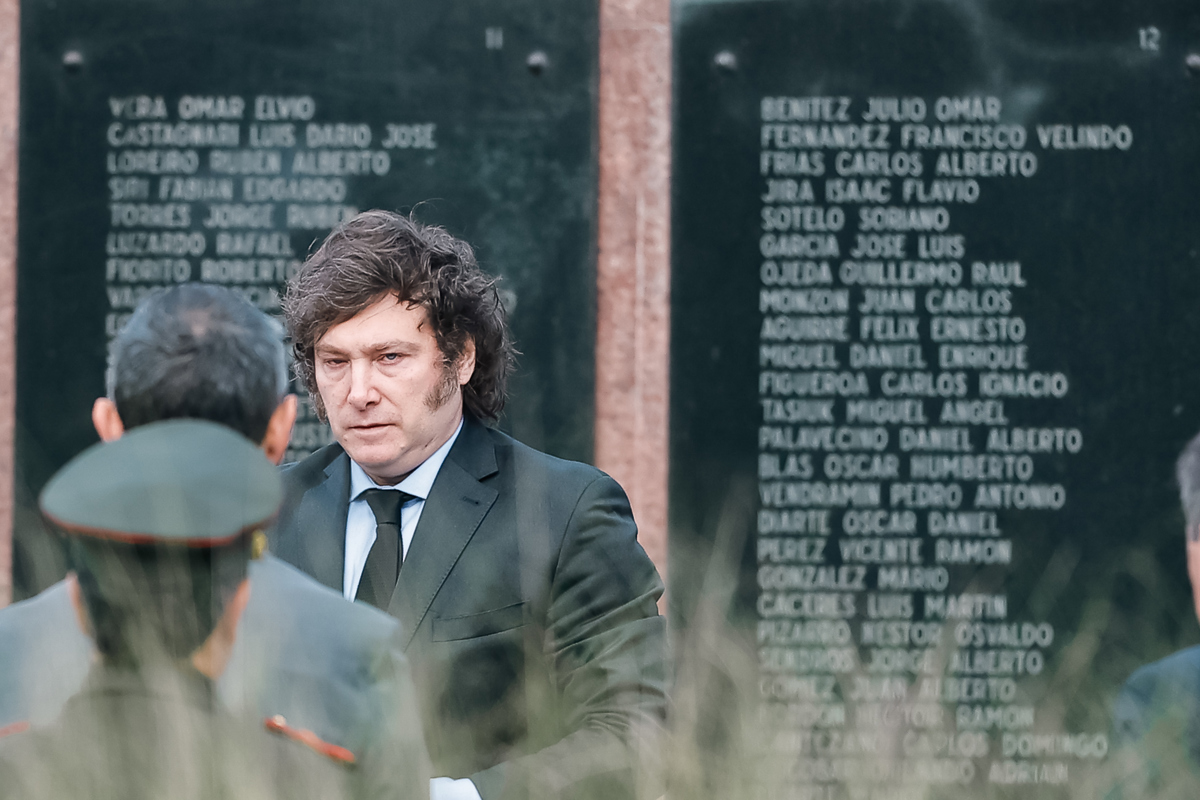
<point>218,140</point>
<point>934,355</point>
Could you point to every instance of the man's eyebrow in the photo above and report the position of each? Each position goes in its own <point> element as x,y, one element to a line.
<point>323,348</point>
<point>377,347</point>
<point>395,344</point>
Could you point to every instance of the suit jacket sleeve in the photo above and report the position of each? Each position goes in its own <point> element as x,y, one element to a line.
<point>606,646</point>
<point>1131,709</point>
<point>1156,730</point>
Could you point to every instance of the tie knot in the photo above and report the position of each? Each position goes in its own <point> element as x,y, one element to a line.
<point>385,504</point>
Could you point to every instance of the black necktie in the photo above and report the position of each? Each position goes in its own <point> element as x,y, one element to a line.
<point>383,562</point>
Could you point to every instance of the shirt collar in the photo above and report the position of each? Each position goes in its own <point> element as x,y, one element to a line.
<point>419,481</point>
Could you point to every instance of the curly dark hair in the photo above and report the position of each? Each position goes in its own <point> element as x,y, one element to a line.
<point>381,252</point>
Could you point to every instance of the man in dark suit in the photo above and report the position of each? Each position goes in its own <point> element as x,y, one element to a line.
<point>528,606</point>
<point>160,526</point>
<point>1157,714</point>
<point>306,655</point>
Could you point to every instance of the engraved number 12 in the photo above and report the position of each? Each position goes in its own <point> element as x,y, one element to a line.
<point>1148,38</point>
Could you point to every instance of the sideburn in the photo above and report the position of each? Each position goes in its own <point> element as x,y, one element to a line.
<point>441,394</point>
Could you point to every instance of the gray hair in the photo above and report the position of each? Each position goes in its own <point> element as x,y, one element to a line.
<point>202,352</point>
<point>1187,472</point>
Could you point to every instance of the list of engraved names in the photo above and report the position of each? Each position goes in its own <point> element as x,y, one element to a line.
<point>891,355</point>
<point>232,190</point>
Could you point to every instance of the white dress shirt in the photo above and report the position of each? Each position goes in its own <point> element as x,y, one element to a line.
<point>360,535</point>
<point>360,520</point>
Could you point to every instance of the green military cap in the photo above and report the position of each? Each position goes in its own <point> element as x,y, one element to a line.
<point>184,482</point>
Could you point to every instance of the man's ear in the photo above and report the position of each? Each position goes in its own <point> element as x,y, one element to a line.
<point>279,429</point>
<point>1193,568</point>
<point>106,420</point>
<point>466,363</point>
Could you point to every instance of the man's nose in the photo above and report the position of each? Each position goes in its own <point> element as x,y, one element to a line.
<point>362,385</point>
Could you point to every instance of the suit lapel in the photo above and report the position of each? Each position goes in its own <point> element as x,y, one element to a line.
<point>456,505</point>
<point>321,519</point>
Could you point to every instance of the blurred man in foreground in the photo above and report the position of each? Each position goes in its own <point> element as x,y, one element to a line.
<point>322,664</point>
<point>1157,715</point>
<point>161,525</point>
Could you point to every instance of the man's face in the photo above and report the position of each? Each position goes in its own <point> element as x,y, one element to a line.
<point>389,396</point>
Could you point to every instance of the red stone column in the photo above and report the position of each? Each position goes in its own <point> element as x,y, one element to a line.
<point>10,38</point>
<point>633,267</point>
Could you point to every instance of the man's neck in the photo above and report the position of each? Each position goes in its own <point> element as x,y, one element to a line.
<point>436,445</point>
<point>427,469</point>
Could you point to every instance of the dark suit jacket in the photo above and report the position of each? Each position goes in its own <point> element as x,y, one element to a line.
<point>529,611</point>
<point>303,652</point>
<point>1156,729</point>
